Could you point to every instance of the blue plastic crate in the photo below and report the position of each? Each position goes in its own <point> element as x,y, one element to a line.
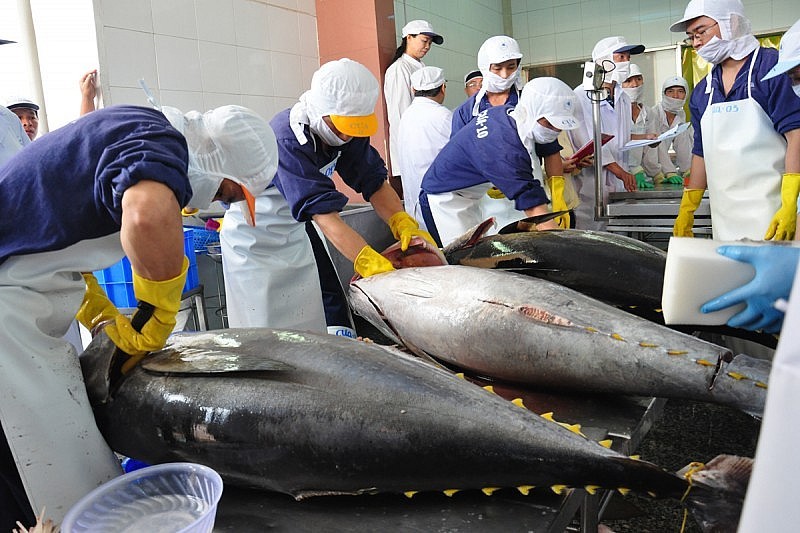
<point>202,238</point>
<point>117,280</point>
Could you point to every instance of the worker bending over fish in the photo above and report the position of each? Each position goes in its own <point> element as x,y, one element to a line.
<point>109,184</point>
<point>501,149</point>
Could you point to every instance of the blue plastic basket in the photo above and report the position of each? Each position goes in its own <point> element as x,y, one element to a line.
<point>117,280</point>
<point>204,237</point>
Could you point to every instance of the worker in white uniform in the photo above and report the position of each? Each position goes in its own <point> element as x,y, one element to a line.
<point>271,276</point>
<point>424,130</point>
<point>668,113</point>
<point>746,130</point>
<point>109,184</point>
<point>12,135</point>
<point>613,54</point>
<point>417,37</point>
<point>498,149</point>
<point>641,125</point>
<point>771,501</point>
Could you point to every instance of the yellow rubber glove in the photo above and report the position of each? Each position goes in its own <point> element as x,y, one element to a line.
<point>369,262</point>
<point>163,296</point>
<point>685,220</point>
<point>495,193</point>
<point>658,178</point>
<point>557,200</point>
<point>784,223</point>
<point>404,228</point>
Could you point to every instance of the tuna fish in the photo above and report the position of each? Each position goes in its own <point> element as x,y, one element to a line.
<point>310,415</point>
<point>520,329</point>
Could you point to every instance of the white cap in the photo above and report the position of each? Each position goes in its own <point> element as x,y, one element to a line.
<point>552,99</point>
<point>346,91</point>
<point>20,102</point>
<point>230,142</point>
<point>634,70</point>
<point>415,27</point>
<point>605,48</point>
<point>497,49</point>
<point>729,14</point>
<point>789,54</point>
<point>427,78</point>
<point>674,81</point>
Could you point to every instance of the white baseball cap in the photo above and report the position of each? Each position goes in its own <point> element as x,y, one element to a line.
<point>552,99</point>
<point>346,91</point>
<point>230,142</point>
<point>497,49</point>
<point>415,27</point>
<point>605,48</point>
<point>789,52</point>
<point>20,102</point>
<point>427,78</point>
<point>674,81</point>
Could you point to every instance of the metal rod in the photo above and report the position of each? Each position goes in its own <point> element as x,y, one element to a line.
<point>599,178</point>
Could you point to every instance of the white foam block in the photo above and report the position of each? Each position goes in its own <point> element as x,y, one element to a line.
<point>695,273</point>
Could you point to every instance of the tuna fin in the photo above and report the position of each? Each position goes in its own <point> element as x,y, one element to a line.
<point>450,492</point>
<point>489,490</point>
<point>409,493</point>
<point>521,226</point>
<point>518,402</point>
<point>460,375</point>
<point>472,236</point>
<point>548,416</point>
<point>525,489</point>
<point>635,457</point>
<point>489,388</point>
<point>209,361</point>
<point>591,489</point>
<point>558,489</point>
<point>623,491</point>
<point>606,443</point>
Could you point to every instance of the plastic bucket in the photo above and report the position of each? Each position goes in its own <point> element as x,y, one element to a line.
<point>165,498</point>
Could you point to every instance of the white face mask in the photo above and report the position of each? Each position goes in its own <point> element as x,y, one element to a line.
<point>796,89</point>
<point>204,188</point>
<point>716,50</point>
<point>319,127</point>
<point>673,105</point>
<point>621,71</point>
<point>496,84</point>
<point>634,93</point>
<point>543,134</point>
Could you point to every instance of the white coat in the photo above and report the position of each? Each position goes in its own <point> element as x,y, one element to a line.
<point>642,124</point>
<point>399,95</point>
<point>423,132</point>
<point>616,121</point>
<point>657,159</point>
<point>12,136</point>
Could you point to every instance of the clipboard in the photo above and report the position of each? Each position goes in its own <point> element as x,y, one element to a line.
<point>588,148</point>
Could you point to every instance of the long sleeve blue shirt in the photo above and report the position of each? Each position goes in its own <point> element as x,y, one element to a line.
<point>304,170</point>
<point>67,186</point>
<point>463,113</point>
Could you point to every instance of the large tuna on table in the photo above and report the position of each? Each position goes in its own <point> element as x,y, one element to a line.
<point>309,415</point>
<point>527,330</point>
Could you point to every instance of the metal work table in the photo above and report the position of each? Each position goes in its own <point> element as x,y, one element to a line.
<point>650,213</point>
<point>625,420</point>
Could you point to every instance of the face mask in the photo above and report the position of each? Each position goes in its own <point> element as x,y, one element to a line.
<point>204,188</point>
<point>621,71</point>
<point>544,135</point>
<point>634,93</point>
<point>796,89</point>
<point>325,133</point>
<point>673,105</point>
<point>495,84</point>
<point>715,51</point>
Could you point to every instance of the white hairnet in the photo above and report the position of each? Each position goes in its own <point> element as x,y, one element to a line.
<point>346,91</point>
<point>729,14</point>
<point>550,98</point>
<point>230,142</point>
<point>789,52</point>
<point>634,70</point>
<point>674,81</point>
<point>497,49</point>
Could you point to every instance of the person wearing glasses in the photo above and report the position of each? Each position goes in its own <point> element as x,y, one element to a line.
<point>747,130</point>
<point>472,82</point>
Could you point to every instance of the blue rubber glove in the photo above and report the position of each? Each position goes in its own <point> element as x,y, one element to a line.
<point>775,269</point>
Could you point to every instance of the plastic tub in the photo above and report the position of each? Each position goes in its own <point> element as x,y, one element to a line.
<point>165,498</point>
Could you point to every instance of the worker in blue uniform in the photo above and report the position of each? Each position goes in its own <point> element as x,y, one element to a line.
<point>271,276</point>
<point>746,130</point>
<point>499,149</point>
<point>499,58</point>
<point>109,184</point>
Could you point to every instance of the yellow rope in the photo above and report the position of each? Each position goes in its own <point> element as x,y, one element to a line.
<point>694,467</point>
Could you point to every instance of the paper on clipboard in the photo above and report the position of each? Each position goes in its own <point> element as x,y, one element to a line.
<point>588,148</point>
<point>669,134</point>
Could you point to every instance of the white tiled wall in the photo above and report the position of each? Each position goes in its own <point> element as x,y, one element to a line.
<point>464,24</point>
<point>199,54</point>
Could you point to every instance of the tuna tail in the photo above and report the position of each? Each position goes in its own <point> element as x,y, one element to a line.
<point>717,490</point>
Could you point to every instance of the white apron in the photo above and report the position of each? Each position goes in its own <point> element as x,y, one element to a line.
<point>271,277</point>
<point>744,158</point>
<point>45,412</point>
<point>771,502</point>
